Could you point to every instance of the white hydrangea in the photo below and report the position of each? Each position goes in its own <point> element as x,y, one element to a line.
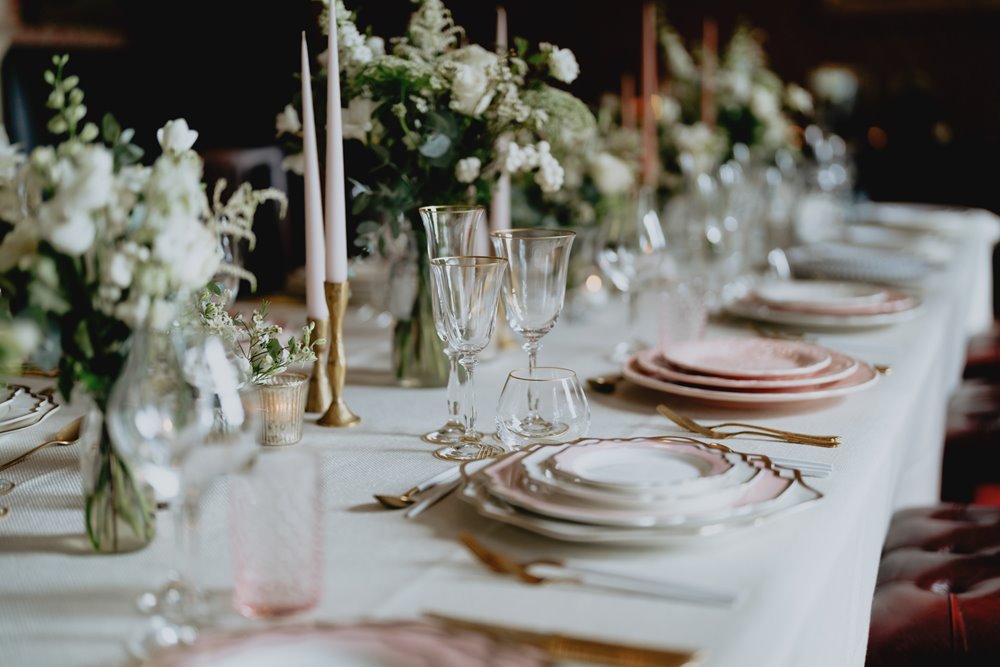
<point>562,63</point>
<point>467,169</point>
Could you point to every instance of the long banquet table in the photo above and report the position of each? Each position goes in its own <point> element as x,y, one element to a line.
<point>805,579</point>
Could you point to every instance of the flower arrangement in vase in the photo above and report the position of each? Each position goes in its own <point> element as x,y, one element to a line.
<point>436,121</point>
<point>98,248</point>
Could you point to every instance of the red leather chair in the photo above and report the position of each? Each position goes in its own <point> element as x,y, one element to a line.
<point>937,598</point>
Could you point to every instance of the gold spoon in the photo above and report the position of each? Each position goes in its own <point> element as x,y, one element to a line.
<point>67,435</point>
<point>407,498</point>
<point>604,384</point>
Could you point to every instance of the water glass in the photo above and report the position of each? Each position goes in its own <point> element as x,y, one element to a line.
<point>683,314</point>
<point>276,535</point>
<point>283,407</point>
<point>546,392</point>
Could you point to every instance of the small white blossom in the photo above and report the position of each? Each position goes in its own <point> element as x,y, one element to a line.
<point>176,137</point>
<point>798,99</point>
<point>357,118</point>
<point>611,175</point>
<point>467,169</point>
<point>287,122</point>
<point>295,163</point>
<point>562,63</point>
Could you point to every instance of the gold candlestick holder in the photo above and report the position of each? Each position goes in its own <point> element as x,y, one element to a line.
<point>319,397</point>
<point>337,413</point>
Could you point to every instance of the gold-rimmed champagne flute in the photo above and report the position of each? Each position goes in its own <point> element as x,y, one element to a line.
<point>534,291</point>
<point>468,289</point>
<point>450,232</point>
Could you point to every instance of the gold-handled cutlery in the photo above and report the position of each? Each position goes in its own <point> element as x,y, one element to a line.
<point>567,647</point>
<point>714,430</point>
<point>548,570</point>
<point>67,435</point>
<point>407,498</point>
<point>605,384</point>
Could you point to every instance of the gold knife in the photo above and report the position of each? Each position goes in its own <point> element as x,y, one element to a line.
<point>565,647</point>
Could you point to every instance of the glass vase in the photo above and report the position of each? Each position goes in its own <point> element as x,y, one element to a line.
<point>119,507</point>
<point>418,358</point>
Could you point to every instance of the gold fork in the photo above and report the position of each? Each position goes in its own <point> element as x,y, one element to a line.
<point>712,430</point>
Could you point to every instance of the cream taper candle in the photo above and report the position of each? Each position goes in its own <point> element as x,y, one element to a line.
<point>336,202</point>
<point>315,246</point>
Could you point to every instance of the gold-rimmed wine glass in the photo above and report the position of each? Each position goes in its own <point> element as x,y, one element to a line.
<point>468,289</point>
<point>450,232</point>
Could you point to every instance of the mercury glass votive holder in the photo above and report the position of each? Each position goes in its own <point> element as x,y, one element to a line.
<point>283,407</point>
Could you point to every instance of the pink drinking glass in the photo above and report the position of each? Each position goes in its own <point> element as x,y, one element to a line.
<point>276,535</point>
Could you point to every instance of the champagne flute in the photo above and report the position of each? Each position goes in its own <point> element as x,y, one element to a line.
<point>468,289</point>
<point>533,293</point>
<point>630,253</point>
<point>450,232</point>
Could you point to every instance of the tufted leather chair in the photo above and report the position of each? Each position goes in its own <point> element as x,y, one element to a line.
<point>937,598</point>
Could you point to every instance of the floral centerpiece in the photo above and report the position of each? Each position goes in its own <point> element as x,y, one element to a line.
<point>437,121</point>
<point>99,247</point>
<point>753,107</point>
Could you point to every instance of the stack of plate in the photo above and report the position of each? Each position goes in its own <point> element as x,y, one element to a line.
<point>749,371</point>
<point>825,303</point>
<point>846,261</point>
<point>632,490</point>
<point>20,408</point>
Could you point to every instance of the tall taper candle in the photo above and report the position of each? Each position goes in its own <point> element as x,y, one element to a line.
<point>315,246</point>
<point>336,202</point>
<point>500,200</point>
<point>501,28</point>
<point>650,159</point>
<point>709,58</point>
<point>628,101</point>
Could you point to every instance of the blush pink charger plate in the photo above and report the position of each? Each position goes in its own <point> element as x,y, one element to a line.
<point>403,644</point>
<point>734,382</point>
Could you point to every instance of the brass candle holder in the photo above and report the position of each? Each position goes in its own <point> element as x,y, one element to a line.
<point>320,395</point>
<point>337,413</point>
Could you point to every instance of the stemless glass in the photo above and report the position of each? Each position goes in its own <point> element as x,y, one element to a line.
<point>631,251</point>
<point>468,289</point>
<point>451,232</point>
<point>558,399</point>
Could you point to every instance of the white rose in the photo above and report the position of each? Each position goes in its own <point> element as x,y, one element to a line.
<point>467,169</point>
<point>176,137</point>
<point>356,119</point>
<point>562,63</point>
<point>611,174</point>
<point>287,122</point>
<point>470,84</point>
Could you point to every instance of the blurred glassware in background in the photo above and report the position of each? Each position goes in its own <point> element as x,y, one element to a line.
<point>631,251</point>
<point>231,254</point>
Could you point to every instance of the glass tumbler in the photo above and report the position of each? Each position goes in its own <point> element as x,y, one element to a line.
<point>276,535</point>
<point>283,407</point>
<point>551,393</point>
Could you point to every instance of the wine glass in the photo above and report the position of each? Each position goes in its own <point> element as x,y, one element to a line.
<point>179,418</point>
<point>468,289</point>
<point>451,232</point>
<point>631,251</point>
<point>558,399</point>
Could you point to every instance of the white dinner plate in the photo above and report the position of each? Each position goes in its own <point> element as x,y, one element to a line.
<point>864,376</point>
<point>652,363</point>
<point>542,478</point>
<point>807,294</point>
<point>7,395</point>
<point>755,310</point>
<point>842,261</point>
<point>748,357</point>
<point>26,410</point>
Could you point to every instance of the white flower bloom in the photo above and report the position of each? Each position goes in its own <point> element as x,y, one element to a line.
<point>562,63</point>
<point>467,169</point>
<point>176,137</point>
<point>670,110</point>
<point>764,103</point>
<point>611,174</point>
<point>287,122</point>
<point>294,163</point>
<point>75,234</point>
<point>357,118</point>
<point>471,85</point>
<point>376,45</point>
<point>189,251</point>
<point>118,270</point>
<point>798,99</point>
<point>17,246</point>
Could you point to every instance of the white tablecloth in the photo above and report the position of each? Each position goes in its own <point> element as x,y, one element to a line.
<point>805,579</point>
